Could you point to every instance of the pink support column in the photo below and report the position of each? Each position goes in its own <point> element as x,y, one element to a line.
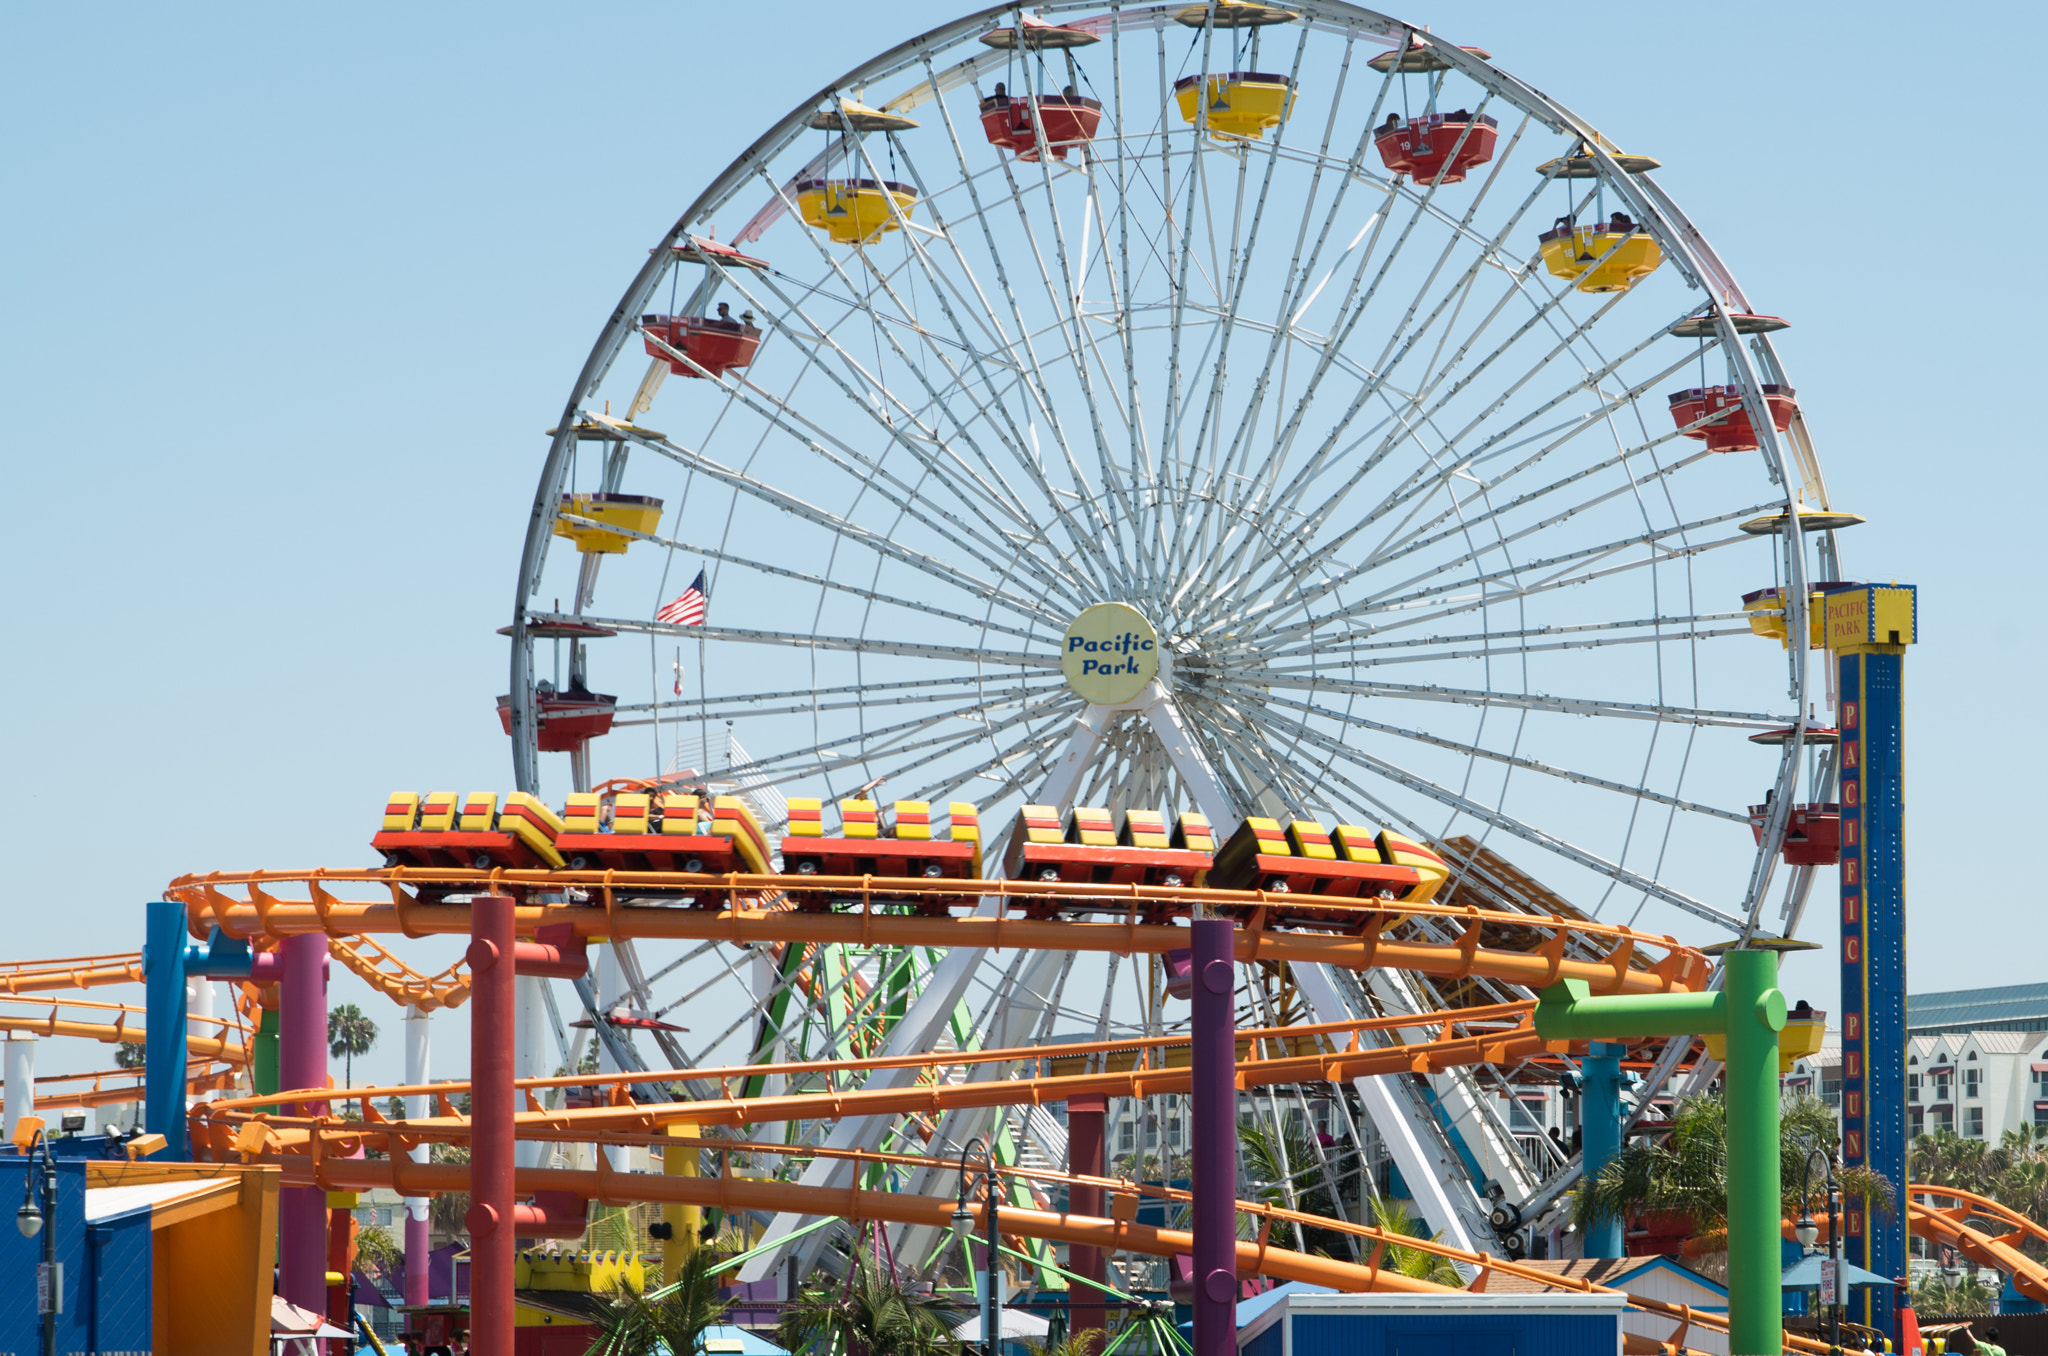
<point>302,1063</point>
<point>492,1241</point>
<point>1085,1117</point>
<point>1214,1053</point>
<point>418,1248</point>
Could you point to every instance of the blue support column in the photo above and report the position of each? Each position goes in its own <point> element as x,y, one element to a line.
<point>167,959</point>
<point>1874,1133</point>
<point>163,982</point>
<point>1600,1131</point>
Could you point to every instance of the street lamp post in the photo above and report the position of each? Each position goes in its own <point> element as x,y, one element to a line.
<point>963,1223</point>
<point>31,1220</point>
<point>1805,1230</point>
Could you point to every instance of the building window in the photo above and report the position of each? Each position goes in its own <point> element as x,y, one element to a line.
<point>1973,1122</point>
<point>1970,1081</point>
<point>2041,1115</point>
<point>1916,1122</point>
<point>1126,1137</point>
<point>1912,1087</point>
<point>1944,1118</point>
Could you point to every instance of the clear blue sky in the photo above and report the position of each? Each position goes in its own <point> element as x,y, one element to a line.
<point>290,294</point>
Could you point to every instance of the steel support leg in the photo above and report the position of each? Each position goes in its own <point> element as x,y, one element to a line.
<point>1214,1053</point>
<point>302,1063</point>
<point>491,1239</point>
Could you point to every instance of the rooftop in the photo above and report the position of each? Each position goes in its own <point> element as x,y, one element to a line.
<point>2014,1007</point>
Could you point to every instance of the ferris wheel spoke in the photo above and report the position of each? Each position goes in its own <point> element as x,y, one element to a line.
<point>965,494</point>
<point>1502,540</point>
<point>817,580</point>
<point>870,473</point>
<point>942,746</point>
<point>1408,543</point>
<point>1064,300</point>
<point>983,688</point>
<point>1236,278</point>
<point>1406,334</point>
<point>1529,701</point>
<point>1638,791</point>
<point>885,741</point>
<point>1500,819</point>
<point>1015,439</point>
<point>796,640</point>
<point>1300,269</point>
<point>1390,597</point>
<point>1332,651</point>
<point>1035,389</point>
<point>977,489</point>
<point>845,529</point>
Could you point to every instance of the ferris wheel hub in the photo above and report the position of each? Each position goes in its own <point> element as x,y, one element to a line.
<point>1110,653</point>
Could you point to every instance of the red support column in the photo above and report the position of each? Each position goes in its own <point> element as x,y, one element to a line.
<point>1085,1117</point>
<point>1214,1055</point>
<point>492,1241</point>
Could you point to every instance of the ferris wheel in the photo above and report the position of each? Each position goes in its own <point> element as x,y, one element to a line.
<point>1244,409</point>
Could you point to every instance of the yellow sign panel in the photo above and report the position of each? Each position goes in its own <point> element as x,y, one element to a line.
<point>1870,614</point>
<point>1110,653</point>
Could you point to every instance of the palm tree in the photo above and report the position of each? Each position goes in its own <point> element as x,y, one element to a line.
<point>1275,1162</point>
<point>869,1313</point>
<point>1940,1296</point>
<point>672,1318</point>
<point>1081,1343</point>
<point>1687,1173</point>
<point>1392,1217</point>
<point>349,1033</point>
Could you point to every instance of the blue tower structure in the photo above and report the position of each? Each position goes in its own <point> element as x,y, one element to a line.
<point>1866,628</point>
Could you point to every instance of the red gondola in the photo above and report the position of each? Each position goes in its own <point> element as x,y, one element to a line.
<point>1813,836</point>
<point>1732,432</point>
<point>566,719</point>
<point>1068,119</point>
<point>716,343</point>
<point>1438,148</point>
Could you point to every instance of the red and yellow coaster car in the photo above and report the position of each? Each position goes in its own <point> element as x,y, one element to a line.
<point>442,829</point>
<point>1347,862</point>
<point>1090,848</point>
<point>867,845</point>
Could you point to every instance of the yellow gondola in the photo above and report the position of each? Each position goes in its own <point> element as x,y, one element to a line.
<point>1571,251</point>
<point>854,211</point>
<point>1240,104</point>
<point>633,512</point>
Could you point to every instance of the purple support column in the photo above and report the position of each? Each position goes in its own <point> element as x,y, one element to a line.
<point>302,1063</point>
<point>1215,1126</point>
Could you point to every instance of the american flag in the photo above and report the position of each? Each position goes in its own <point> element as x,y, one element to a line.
<point>687,607</point>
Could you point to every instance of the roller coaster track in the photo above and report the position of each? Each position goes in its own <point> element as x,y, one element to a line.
<point>1345,933</point>
<point>1999,1250</point>
<point>871,911</point>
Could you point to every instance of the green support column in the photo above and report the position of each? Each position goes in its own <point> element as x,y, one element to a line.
<point>263,1060</point>
<point>1749,1011</point>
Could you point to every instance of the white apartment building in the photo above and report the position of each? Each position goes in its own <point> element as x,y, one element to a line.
<point>1976,1062</point>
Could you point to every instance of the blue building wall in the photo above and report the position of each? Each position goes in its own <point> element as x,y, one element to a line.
<point>1453,1334</point>
<point>119,1283</point>
<point>20,1325</point>
<point>107,1268</point>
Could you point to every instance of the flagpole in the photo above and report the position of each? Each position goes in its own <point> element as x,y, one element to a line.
<point>654,677</point>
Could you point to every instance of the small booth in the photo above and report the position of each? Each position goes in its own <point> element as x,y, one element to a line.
<point>1301,1324</point>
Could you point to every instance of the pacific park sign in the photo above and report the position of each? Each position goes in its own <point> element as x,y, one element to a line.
<point>1110,653</point>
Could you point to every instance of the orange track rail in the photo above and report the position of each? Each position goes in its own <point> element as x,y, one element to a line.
<point>258,911</point>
